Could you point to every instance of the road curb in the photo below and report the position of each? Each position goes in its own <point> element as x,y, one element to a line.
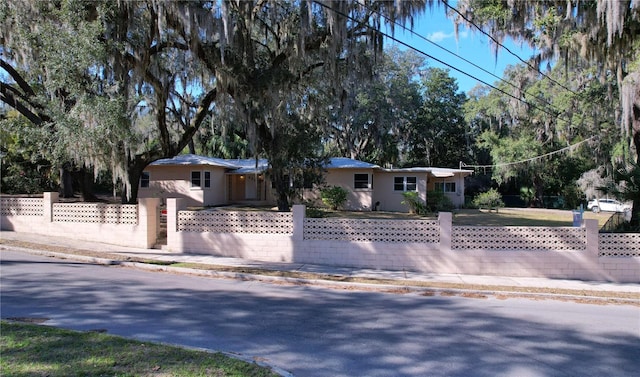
<point>382,288</point>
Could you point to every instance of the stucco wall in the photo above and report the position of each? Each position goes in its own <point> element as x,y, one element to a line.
<point>457,198</point>
<point>391,200</point>
<point>357,200</point>
<point>175,181</point>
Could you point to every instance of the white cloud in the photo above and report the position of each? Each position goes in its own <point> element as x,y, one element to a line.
<point>440,36</point>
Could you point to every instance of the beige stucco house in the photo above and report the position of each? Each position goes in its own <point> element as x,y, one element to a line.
<point>206,181</point>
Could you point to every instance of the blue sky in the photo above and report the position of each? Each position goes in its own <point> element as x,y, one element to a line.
<point>471,45</point>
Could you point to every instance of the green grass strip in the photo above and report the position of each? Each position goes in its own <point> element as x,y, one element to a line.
<point>36,350</point>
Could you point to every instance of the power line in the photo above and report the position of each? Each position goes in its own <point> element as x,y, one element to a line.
<point>570,147</point>
<point>543,100</point>
<point>555,115</point>
<point>388,19</point>
<point>446,4</point>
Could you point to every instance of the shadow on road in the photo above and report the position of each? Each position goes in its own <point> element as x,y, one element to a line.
<point>318,332</point>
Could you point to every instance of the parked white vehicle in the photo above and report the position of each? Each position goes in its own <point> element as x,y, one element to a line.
<point>607,205</point>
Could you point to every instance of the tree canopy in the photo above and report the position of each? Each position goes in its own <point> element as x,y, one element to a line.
<point>69,62</point>
<point>576,34</point>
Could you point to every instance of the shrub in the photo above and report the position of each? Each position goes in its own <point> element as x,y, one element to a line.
<point>437,201</point>
<point>334,197</point>
<point>312,212</point>
<point>416,205</point>
<point>491,199</point>
<point>527,194</point>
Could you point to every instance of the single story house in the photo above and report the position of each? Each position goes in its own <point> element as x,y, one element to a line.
<point>206,181</point>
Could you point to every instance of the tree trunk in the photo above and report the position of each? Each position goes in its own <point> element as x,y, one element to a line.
<point>66,182</point>
<point>635,129</point>
<point>281,185</point>
<point>85,180</point>
<point>538,187</point>
<point>82,179</point>
<point>135,169</point>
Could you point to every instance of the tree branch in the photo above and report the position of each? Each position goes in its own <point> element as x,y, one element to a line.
<point>203,111</point>
<point>17,77</point>
<point>7,96</point>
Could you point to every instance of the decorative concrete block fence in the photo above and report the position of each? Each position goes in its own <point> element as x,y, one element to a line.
<point>118,224</point>
<point>433,246</point>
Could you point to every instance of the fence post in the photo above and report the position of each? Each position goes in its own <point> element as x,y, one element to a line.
<point>446,229</point>
<point>593,238</point>
<point>149,220</point>
<point>298,221</point>
<point>173,206</point>
<point>49,199</point>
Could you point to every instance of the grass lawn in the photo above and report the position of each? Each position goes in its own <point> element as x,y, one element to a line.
<point>523,217</point>
<point>35,350</point>
<point>475,217</point>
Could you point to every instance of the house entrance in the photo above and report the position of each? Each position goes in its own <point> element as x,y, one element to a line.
<point>161,237</point>
<point>246,188</point>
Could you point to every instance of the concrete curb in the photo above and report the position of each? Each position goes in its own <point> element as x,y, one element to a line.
<point>520,292</point>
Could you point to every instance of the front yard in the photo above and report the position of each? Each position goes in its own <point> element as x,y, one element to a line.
<point>523,217</point>
<point>504,217</point>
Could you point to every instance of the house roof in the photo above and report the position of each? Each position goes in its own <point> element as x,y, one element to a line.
<point>436,172</point>
<point>348,163</point>
<point>192,159</point>
<point>249,166</point>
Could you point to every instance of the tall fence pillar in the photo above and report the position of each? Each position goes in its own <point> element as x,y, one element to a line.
<point>49,199</point>
<point>149,219</point>
<point>174,205</point>
<point>446,229</point>
<point>593,238</point>
<point>298,221</point>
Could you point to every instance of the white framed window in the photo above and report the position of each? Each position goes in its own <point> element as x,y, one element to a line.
<point>145,179</point>
<point>361,181</point>
<point>405,183</point>
<point>207,179</point>
<point>445,186</point>
<point>196,179</point>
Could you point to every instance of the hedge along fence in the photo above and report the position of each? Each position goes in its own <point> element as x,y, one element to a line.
<point>126,225</point>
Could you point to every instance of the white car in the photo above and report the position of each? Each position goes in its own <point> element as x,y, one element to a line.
<point>607,205</point>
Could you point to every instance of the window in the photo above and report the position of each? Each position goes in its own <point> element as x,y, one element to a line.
<point>195,179</point>
<point>145,179</point>
<point>446,186</point>
<point>361,181</point>
<point>207,179</point>
<point>405,184</point>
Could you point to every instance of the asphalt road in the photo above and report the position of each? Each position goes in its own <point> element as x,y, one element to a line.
<point>313,331</point>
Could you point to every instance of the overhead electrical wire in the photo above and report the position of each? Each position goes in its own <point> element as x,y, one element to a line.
<point>568,148</point>
<point>446,4</point>
<point>387,35</point>
<point>556,115</point>
<point>544,101</point>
